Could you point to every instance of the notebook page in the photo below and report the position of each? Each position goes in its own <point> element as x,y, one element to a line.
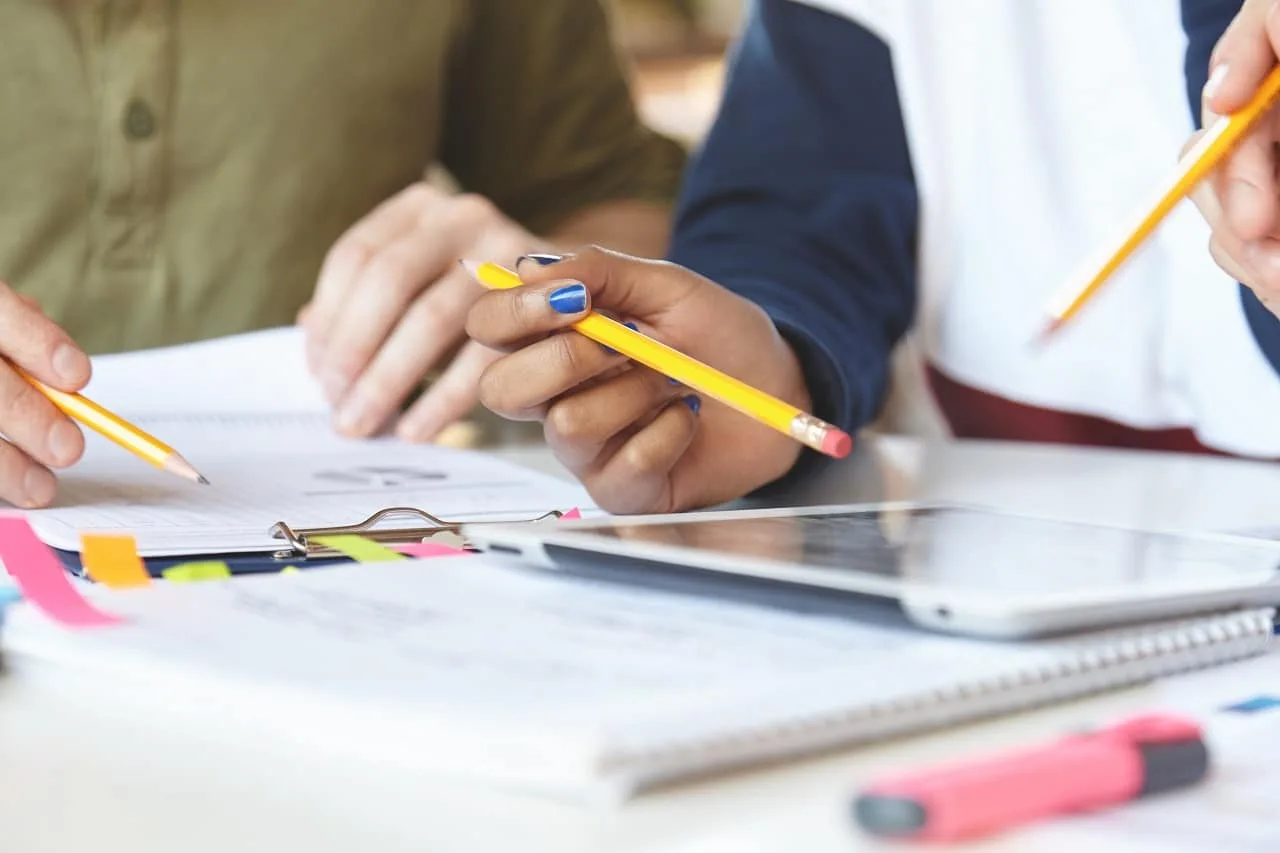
<point>260,372</point>
<point>245,412</point>
<point>470,665</point>
<point>297,472</point>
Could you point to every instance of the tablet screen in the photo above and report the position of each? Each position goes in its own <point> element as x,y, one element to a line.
<point>974,549</point>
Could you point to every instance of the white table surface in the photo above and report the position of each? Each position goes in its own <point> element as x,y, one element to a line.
<point>84,767</point>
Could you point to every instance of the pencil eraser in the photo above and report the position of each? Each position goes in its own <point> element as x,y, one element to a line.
<point>837,443</point>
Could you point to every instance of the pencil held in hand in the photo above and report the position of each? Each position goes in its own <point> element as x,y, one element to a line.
<point>693,374</point>
<point>123,433</point>
<point>1195,166</point>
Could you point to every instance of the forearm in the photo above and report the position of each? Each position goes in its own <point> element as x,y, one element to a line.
<point>809,208</point>
<point>634,227</point>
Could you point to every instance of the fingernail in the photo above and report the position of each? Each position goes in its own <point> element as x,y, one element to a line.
<point>68,363</point>
<point>571,299</point>
<point>62,442</point>
<point>354,416</point>
<point>694,402</point>
<point>1215,81</point>
<point>39,487</point>
<point>334,385</point>
<point>540,259</point>
<point>671,381</point>
<point>632,326</point>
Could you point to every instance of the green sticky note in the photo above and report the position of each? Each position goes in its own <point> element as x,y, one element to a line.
<point>359,548</point>
<point>187,572</point>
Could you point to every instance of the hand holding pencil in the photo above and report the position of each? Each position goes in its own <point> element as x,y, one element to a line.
<point>638,413</point>
<point>1231,170</point>
<point>41,373</point>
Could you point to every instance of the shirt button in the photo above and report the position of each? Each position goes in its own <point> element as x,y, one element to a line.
<point>139,120</point>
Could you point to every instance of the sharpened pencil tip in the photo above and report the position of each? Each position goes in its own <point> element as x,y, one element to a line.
<point>1050,328</point>
<point>469,266</point>
<point>175,464</point>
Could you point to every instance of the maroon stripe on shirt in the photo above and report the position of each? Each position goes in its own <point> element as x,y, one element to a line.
<point>977,414</point>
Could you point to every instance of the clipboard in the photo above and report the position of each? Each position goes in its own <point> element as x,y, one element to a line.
<point>300,542</point>
<point>299,546</point>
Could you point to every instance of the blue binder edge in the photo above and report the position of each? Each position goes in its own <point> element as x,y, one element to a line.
<point>238,563</point>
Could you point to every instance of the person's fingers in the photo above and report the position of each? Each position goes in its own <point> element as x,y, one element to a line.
<point>1247,187</point>
<point>349,255</point>
<point>1262,259</point>
<point>1228,262</point>
<point>34,425</point>
<point>505,320</point>
<point>449,398</point>
<point>419,338</point>
<point>580,425</point>
<point>384,289</point>
<point>24,482</point>
<point>36,344</point>
<point>633,287</point>
<point>1242,57</point>
<point>519,386</point>
<point>637,477</point>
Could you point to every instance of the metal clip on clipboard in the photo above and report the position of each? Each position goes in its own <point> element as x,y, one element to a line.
<point>301,542</point>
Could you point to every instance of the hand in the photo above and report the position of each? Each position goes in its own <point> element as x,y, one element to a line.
<point>38,435</point>
<point>1241,201</point>
<point>391,304</point>
<point>639,442</point>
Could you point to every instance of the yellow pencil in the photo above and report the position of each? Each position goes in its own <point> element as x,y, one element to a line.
<point>1202,159</point>
<point>705,380</point>
<point>115,428</point>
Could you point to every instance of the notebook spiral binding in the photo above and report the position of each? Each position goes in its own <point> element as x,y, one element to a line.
<point>301,541</point>
<point>1100,663</point>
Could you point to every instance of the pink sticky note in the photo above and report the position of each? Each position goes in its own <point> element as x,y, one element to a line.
<point>571,514</point>
<point>430,549</point>
<point>42,579</point>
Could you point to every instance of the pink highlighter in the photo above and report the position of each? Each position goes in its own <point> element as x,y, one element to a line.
<point>1080,773</point>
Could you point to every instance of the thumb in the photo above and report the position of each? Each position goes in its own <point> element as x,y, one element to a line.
<point>1242,57</point>
<point>618,283</point>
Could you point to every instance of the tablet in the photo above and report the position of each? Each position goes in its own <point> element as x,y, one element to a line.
<point>960,569</point>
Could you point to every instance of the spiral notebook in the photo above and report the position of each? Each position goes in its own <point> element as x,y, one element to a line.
<point>473,668</point>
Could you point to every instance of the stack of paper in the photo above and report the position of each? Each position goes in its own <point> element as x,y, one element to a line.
<point>245,411</point>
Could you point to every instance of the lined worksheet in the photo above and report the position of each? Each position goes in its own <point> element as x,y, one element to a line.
<point>246,413</point>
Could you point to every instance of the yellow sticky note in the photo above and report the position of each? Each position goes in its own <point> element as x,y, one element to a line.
<point>188,572</point>
<point>359,548</point>
<point>112,560</point>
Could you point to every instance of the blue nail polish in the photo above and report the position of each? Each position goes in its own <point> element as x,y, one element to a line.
<point>540,259</point>
<point>570,299</point>
<point>632,326</point>
<point>671,381</point>
<point>694,403</point>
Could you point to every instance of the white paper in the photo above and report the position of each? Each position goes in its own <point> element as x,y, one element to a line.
<point>257,372</point>
<point>469,665</point>
<point>1237,808</point>
<point>244,411</point>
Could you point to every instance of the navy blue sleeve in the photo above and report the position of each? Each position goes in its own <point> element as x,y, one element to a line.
<point>802,199</point>
<point>1204,22</point>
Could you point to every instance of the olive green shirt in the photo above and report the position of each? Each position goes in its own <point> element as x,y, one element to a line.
<point>176,169</point>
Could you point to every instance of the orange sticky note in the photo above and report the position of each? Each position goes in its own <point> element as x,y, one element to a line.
<point>112,560</point>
